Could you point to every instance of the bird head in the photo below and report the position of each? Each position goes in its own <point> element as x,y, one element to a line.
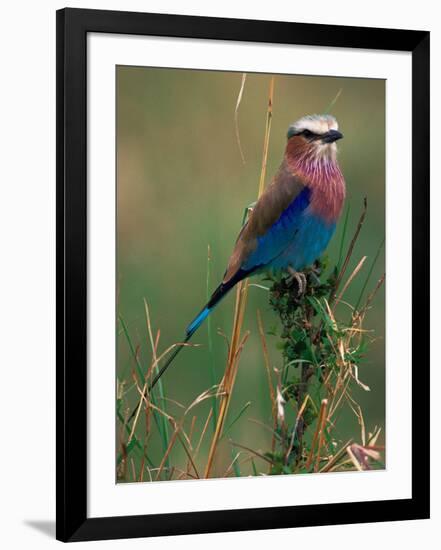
<point>315,135</point>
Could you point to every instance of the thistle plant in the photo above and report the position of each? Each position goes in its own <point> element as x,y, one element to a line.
<point>301,339</point>
<point>321,351</point>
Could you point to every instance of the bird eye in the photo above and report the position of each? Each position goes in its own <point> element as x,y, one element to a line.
<point>307,133</point>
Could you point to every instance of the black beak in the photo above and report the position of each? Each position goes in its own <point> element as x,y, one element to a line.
<point>331,136</point>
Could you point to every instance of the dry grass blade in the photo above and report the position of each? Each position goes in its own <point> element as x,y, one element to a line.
<point>176,427</point>
<point>236,116</point>
<point>239,310</point>
<point>334,101</point>
<point>153,344</point>
<point>141,472</point>
<point>253,452</point>
<point>174,402</point>
<point>190,436</point>
<point>188,453</point>
<point>318,430</point>
<point>207,394</point>
<point>164,427</point>
<point>227,385</point>
<point>204,429</point>
<point>230,467</point>
<point>190,433</point>
<point>374,437</point>
<point>334,406</point>
<point>240,347</point>
<point>143,391</point>
<point>350,279</point>
<point>333,461</point>
<point>167,452</point>
<point>270,383</point>
<point>264,426</point>
<point>151,405</point>
<point>322,433</point>
<point>183,475</point>
<point>267,361</point>
<point>370,298</point>
<point>349,253</point>
<point>294,432</point>
<point>340,466</point>
<point>359,414</point>
<point>269,115</point>
<point>354,459</point>
<point>149,471</point>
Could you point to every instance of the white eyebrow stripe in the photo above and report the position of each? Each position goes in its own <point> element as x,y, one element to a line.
<point>317,124</point>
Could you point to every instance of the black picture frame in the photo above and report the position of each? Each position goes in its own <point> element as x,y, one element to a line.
<point>71,427</point>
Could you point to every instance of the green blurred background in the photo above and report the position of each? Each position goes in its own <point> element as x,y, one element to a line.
<point>182,186</point>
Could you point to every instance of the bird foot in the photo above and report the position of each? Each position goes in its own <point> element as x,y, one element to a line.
<point>314,275</point>
<point>299,277</point>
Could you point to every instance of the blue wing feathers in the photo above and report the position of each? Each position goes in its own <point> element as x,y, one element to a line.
<point>271,245</point>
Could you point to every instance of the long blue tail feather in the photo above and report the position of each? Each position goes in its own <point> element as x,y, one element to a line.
<point>197,322</point>
<point>220,292</point>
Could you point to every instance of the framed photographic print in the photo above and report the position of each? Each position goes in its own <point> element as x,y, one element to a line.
<point>242,274</point>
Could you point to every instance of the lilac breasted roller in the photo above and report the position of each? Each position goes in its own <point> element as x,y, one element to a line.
<point>292,222</point>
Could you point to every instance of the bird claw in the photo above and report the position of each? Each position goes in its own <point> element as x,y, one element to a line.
<point>300,278</point>
<point>314,275</point>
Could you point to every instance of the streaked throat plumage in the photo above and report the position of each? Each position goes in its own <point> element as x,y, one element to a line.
<point>311,155</point>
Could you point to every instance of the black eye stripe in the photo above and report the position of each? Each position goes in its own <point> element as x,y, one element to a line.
<point>309,134</point>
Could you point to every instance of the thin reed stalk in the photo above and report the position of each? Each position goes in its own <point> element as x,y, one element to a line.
<point>349,254</point>
<point>210,342</point>
<point>239,310</point>
<point>270,383</point>
<point>318,432</point>
<point>164,427</point>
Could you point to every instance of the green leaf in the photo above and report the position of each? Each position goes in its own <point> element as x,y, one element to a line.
<point>129,449</point>
<point>132,349</point>
<point>236,468</point>
<point>343,236</point>
<point>368,276</point>
<point>242,410</point>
